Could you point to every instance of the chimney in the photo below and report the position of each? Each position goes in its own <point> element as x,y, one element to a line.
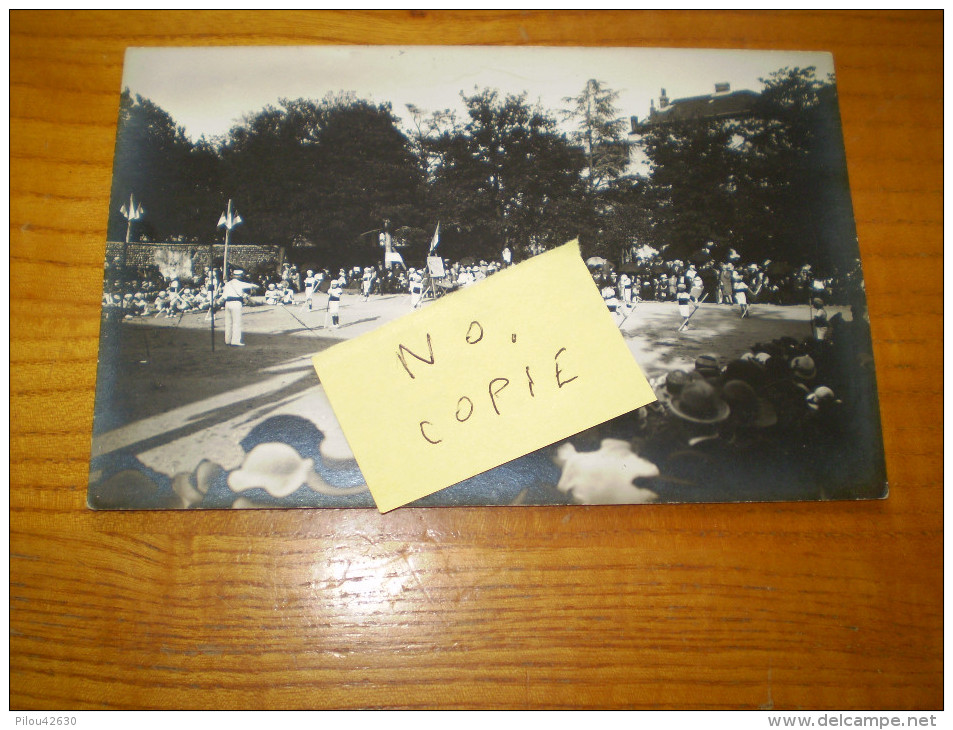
<point>663,100</point>
<point>722,88</point>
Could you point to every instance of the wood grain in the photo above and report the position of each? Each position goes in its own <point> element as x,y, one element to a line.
<point>737,606</point>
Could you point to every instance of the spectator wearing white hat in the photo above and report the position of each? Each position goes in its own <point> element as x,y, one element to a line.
<point>661,288</point>
<point>613,303</point>
<point>625,288</point>
<point>367,282</point>
<point>287,294</point>
<point>741,292</point>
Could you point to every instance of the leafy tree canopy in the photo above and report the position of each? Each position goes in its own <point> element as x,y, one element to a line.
<point>326,173</point>
<point>158,164</point>
<point>600,131</point>
<point>504,177</point>
<point>771,184</point>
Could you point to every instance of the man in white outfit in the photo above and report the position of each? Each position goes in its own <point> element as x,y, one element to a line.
<point>234,291</point>
<point>310,282</point>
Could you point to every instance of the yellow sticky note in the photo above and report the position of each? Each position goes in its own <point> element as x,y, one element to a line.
<point>523,359</point>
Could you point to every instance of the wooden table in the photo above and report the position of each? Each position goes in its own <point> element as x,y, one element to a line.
<point>780,606</point>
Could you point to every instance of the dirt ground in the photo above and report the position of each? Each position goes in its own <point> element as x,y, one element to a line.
<point>167,397</point>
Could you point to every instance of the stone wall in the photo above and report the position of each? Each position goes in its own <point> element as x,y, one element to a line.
<point>189,259</point>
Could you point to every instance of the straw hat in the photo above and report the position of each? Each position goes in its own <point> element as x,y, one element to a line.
<point>803,367</point>
<point>700,403</point>
<point>707,366</point>
<point>822,397</point>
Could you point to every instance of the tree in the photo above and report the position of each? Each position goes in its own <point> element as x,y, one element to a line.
<point>322,173</point>
<point>424,133</point>
<point>771,184</point>
<point>600,132</point>
<point>504,178</point>
<point>152,162</point>
<point>623,220</point>
<point>694,183</point>
<point>199,192</point>
<point>798,171</point>
<point>369,173</point>
<point>612,208</point>
<point>269,170</point>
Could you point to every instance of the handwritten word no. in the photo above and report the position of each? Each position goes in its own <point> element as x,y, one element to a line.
<point>465,405</point>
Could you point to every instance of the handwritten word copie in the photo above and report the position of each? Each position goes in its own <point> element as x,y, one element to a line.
<point>465,405</point>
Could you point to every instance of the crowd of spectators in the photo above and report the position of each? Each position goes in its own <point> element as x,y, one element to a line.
<point>765,282</point>
<point>150,292</point>
<point>788,419</point>
<point>169,298</point>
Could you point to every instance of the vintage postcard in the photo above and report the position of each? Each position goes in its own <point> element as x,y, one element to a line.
<point>269,204</point>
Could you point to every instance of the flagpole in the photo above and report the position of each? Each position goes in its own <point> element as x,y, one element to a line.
<point>125,245</point>
<point>229,221</point>
<point>212,293</point>
<point>132,214</point>
<point>122,265</point>
<point>228,229</point>
<point>385,232</point>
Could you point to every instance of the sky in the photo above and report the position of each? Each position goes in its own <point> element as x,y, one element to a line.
<point>208,90</point>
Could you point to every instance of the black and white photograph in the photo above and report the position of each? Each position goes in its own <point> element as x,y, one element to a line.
<point>269,203</point>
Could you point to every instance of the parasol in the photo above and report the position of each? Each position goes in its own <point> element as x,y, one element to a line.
<point>779,268</point>
<point>701,256</point>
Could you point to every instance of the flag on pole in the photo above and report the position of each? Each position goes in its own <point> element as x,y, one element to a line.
<point>393,257</point>
<point>229,219</point>
<point>435,241</point>
<point>133,211</point>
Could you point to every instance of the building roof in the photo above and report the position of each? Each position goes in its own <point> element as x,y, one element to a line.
<point>722,104</point>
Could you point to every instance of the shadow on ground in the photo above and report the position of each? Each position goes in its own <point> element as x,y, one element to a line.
<point>147,369</point>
